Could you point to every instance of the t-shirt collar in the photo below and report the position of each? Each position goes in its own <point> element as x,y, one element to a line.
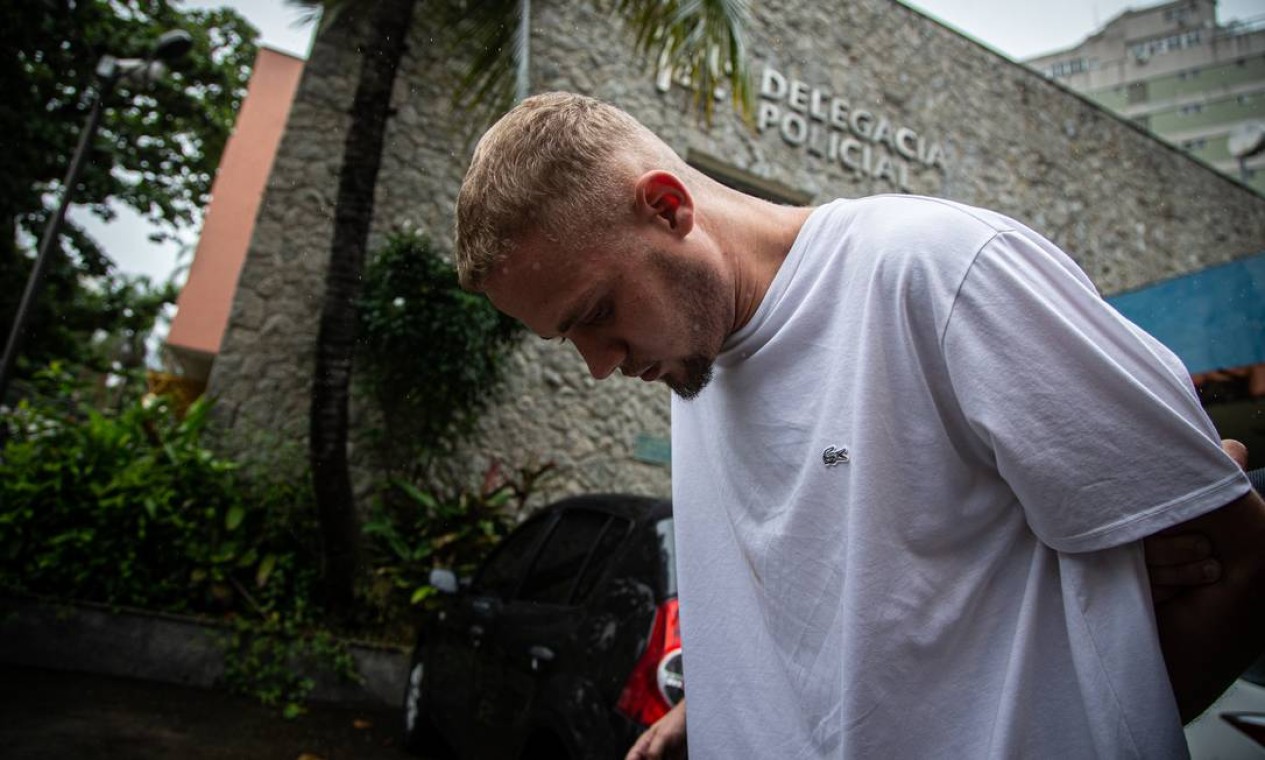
<point>764,324</point>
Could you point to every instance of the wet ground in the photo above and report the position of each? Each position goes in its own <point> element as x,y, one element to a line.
<point>55,715</point>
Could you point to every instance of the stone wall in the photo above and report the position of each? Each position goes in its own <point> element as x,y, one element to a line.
<point>1130,209</point>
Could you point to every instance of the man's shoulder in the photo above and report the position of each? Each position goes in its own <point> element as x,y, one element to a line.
<point>913,210</point>
<point>898,233</point>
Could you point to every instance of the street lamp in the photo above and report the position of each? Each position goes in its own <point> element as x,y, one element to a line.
<point>111,71</point>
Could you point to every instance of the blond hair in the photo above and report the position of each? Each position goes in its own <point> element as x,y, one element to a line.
<point>554,158</point>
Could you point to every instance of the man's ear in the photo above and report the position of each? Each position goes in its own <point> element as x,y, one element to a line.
<point>662,196</point>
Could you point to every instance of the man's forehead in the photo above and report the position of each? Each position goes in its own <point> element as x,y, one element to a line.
<point>536,286</point>
<point>522,264</point>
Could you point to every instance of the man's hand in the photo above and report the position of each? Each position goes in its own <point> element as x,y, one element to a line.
<point>665,740</point>
<point>1177,559</point>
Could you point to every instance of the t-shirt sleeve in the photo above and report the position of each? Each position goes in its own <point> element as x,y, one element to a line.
<point>1094,424</point>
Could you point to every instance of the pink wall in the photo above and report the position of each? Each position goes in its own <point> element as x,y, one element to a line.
<point>204,303</point>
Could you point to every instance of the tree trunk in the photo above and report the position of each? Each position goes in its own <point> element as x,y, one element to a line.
<point>335,344</point>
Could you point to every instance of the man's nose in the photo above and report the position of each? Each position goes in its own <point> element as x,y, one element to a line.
<point>602,355</point>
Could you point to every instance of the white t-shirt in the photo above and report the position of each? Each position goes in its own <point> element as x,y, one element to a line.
<point>966,584</point>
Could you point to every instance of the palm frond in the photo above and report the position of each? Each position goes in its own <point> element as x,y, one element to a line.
<point>323,11</point>
<point>703,40</point>
<point>489,27</point>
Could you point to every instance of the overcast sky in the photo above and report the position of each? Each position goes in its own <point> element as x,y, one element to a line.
<point>1028,28</point>
<point>1017,28</point>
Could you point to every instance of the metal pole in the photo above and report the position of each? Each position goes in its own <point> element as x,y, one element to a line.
<point>522,53</point>
<point>47,242</point>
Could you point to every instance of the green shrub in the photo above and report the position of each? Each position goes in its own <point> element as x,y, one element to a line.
<point>432,354</point>
<point>130,508</point>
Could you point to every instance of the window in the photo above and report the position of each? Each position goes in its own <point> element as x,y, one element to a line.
<point>612,536</point>
<point>1067,68</point>
<point>559,563</point>
<point>1198,143</point>
<point>667,552</point>
<point>1167,44</point>
<point>1179,15</point>
<point>1192,108</point>
<point>505,568</point>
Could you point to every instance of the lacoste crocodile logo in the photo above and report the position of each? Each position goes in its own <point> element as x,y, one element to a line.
<point>832,456</point>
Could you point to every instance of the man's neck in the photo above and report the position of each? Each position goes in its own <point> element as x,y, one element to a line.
<point>756,237</point>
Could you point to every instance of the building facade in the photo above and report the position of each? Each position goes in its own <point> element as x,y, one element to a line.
<point>1173,69</point>
<point>855,99</point>
<point>203,307</point>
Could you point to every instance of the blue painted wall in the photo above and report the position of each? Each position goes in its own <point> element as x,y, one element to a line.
<point>1213,319</point>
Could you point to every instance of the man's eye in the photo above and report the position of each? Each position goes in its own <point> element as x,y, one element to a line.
<point>602,315</point>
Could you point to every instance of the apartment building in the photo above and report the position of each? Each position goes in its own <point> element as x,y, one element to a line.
<point>1175,70</point>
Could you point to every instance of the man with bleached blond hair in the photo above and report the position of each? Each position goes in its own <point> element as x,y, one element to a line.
<point>914,455</point>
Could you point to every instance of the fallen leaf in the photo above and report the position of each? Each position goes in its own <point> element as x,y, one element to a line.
<point>360,724</point>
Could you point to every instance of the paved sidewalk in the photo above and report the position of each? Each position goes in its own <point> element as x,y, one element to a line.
<point>57,715</point>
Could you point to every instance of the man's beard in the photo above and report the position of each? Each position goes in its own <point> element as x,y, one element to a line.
<point>698,373</point>
<point>700,294</point>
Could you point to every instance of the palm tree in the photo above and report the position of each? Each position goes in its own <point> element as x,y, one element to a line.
<point>704,39</point>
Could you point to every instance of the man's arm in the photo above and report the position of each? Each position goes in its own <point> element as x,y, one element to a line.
<point>1210,634</point>
<point>1177,561</point>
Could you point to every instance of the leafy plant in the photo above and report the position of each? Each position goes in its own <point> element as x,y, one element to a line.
<point>129,507</point>
<point>270,662</point>
<point>433,353</point>
<point>413,530</point>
